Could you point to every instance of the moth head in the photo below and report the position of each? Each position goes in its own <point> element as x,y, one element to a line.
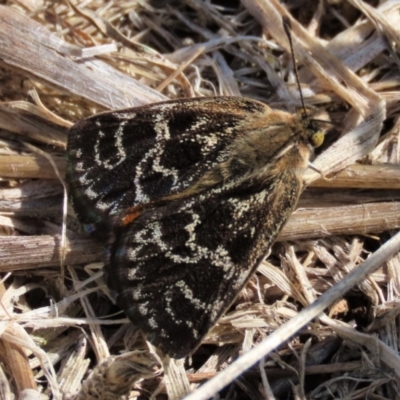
<point>314,131</point>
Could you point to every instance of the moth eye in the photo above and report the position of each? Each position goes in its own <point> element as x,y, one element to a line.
<point>317,138</point>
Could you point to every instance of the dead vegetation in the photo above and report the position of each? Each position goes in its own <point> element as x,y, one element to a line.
<point>61,335</point>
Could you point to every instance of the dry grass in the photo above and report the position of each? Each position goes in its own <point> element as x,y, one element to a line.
<point>61,335</point>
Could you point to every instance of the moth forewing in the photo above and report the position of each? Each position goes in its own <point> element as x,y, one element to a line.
<point>119,159</point>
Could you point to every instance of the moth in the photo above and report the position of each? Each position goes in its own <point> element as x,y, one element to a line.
<point>190,194</point>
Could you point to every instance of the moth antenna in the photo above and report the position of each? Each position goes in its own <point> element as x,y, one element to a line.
<point>287,26</point>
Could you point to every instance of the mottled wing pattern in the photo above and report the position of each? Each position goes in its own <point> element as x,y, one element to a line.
<point>194,193</point>
<point>178,267</point>
<point>120,159</point>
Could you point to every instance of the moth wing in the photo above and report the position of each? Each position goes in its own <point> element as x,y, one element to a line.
<point>120,159</point>
<point>178,267</point>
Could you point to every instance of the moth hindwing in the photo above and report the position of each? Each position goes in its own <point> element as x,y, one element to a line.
<point>191,193</point>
